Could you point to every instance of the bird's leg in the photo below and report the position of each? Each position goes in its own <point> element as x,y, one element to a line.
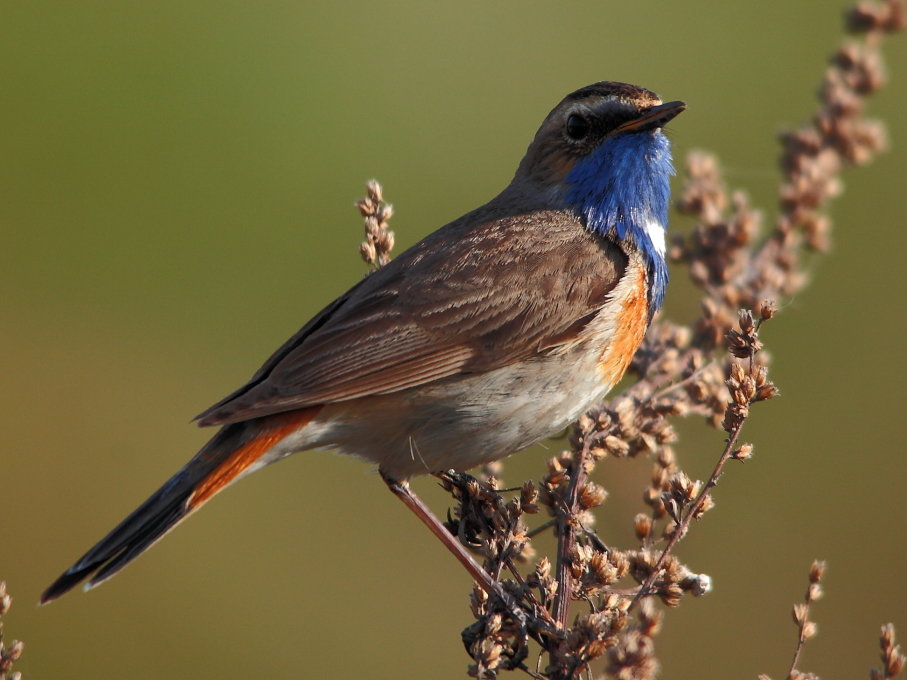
<point>479,575</point>
<point>424,513</point>
<point>531,624</point>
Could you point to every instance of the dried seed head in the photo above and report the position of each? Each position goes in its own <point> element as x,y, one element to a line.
<point>671,594</point>
<point>666,457</point>
<point>767,309</point>
<point>817,571</point>
<point>385,241</point>
<point>765,392</point>
<point>643,526</point>
<point>697,584</point>
<point>591,496</point>
<point>373,187</point>
<point>529,497</point>
<point>616,446</point>
<point>745,319</point>
<point>683,488</point>
<point>367,251</point>
<point>814,592</point>
<point>708,502</point>
<point>743,453</point>
<point>893,660</point>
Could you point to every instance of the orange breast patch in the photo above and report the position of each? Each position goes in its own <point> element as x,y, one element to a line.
<point>630,328</point>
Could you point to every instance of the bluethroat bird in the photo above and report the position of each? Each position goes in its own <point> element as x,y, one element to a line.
<point>490,334</point>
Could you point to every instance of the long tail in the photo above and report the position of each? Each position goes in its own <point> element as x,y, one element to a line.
<point>237,449</point>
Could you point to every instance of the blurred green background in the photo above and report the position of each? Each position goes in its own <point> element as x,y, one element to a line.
<point>177,189</point>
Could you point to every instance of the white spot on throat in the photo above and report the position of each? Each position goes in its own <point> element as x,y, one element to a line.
<point>656,233</point>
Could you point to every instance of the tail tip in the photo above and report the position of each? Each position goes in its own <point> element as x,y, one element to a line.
<point>66,582</point>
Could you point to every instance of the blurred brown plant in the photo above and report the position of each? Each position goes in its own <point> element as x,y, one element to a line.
<point>8,655</point>
<point>375,249</point>
<point>806,629</point>
<point>714,367</point>
<point>892,658</point>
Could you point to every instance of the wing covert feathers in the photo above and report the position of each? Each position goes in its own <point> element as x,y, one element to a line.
<point>471,301</point>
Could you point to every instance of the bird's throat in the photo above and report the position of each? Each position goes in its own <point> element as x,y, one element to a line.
<point>622,191</point>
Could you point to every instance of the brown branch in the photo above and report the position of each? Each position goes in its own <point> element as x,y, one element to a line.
<point>566,538</point>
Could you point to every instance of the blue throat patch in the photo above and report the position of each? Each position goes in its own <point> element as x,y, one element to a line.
<point>619,188</point>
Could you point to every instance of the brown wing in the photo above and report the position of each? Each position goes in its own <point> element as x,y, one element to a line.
<point>465,299</point>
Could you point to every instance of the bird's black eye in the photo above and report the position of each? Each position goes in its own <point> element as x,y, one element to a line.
<point>577,127</point>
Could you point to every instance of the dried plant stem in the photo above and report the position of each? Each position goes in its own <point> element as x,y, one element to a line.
<point>747,388</point>
<point>566,538</point>
<point>892,659</point>
<point>694,511</point>
<point>680,384</point>
<point>805,628</point>
<point>542,528</point>
<point>8,655</point>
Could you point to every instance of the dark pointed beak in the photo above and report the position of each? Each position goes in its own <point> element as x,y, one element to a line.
<point>654,117</point>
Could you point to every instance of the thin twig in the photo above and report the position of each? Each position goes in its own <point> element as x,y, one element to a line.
<point>683,526</point>
<point>566,538</point>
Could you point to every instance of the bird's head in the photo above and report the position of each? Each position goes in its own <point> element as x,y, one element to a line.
<point>601,154</point>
